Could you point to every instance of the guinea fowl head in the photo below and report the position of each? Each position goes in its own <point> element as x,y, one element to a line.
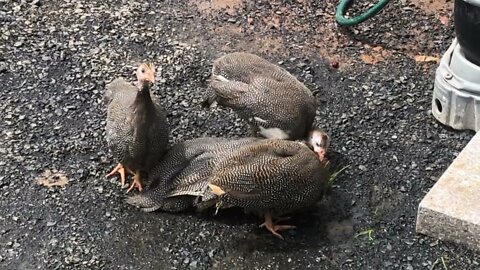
<point>319,141</point>
<point>146,75</point>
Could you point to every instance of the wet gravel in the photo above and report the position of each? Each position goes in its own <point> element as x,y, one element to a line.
<point>56,56</point>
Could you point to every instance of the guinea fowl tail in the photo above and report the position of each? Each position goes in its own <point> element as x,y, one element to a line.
<point>145,201</point>
<point>212,94</point>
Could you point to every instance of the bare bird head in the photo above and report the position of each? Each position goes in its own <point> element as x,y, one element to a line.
<point>146,74</point>
<point>319,141</point>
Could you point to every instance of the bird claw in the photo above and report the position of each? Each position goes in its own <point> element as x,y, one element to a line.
<point>121,170</point>
<point>137,183</point>
<point>268,224</point>
<point>274,228</point>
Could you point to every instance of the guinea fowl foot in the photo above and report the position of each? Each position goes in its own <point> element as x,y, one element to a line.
<point>268,224</point>
<point>137,182</point>
<point>121,170</point>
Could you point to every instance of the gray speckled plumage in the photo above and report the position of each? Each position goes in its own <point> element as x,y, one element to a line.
<point>179,179</point>
<point>274,176</point>
<point>265,95</point>
<point>270,176</point>
<point>137,129</point>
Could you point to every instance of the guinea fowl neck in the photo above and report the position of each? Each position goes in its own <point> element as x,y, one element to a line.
<point>143,94</point>
<point>143,104</point>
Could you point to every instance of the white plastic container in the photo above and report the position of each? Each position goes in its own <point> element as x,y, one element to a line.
<point>456,93</point>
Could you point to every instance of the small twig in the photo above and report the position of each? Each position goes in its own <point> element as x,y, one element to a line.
<point>444,263</point>
<point>435,263</point>
<point>441,259</point>
<point>368,232</point>
<point>22,84</point>
<point>334,176</point>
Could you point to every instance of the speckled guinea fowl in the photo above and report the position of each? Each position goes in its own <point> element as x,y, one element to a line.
<point>270,99</point>
<point>270,177</point>
<point>180,177</point>
<point>137,130</point>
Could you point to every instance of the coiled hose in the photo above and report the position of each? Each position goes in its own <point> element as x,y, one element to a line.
<point>343,5</point>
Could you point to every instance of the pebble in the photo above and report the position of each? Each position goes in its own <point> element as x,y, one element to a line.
<point>51,223</point>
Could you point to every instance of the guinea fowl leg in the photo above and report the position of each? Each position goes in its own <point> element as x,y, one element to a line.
<point>137,182</point>
<point>274,228</point>
<point>121,170</point>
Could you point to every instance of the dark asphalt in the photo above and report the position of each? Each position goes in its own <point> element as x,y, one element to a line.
<point>56,56</point>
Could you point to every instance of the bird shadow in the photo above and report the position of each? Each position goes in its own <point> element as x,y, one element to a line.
<point>328,221</point>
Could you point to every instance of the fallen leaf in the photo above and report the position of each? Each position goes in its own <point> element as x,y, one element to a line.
<point>426,58</point>
<point>51,179</point>
<point>368,59</point>
<point>377,54</point>
<point>444,20</point>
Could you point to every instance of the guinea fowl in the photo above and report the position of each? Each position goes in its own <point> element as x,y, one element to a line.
<point>137,129</point>
<point>180,177</point>
<point>270,177</point>
<point>270,99</point>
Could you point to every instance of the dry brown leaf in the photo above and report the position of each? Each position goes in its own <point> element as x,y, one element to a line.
<point>377,54</point>
<point>426,58</point>
<point>368,59</point>
<point>51,179</point>
<point>444,20</point>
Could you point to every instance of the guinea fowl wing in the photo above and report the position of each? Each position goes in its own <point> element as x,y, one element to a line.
<point>266,95</point>
<point>119,89</point>
<point>254,100</point>
<point>237,71</point>
<point>263,176</point>
<point>244,67</point>
<point>183,169</point>
<point>229,93</point>
<point>119,96</point>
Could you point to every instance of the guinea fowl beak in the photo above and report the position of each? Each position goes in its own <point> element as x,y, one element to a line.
<point>151,78</point>
<point>321,153</point>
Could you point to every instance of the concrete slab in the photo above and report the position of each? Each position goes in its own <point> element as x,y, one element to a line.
<point>451,209</point>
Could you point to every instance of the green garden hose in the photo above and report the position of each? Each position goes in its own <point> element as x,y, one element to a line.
<point>342,6</point>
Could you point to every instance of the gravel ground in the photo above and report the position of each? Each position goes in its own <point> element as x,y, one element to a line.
<point>56,56</point>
